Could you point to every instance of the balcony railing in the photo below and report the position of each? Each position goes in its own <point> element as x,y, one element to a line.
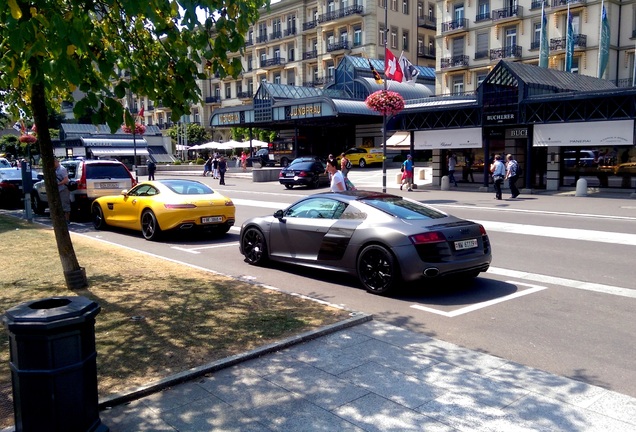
<point>343,12</point>
<point>276,61</point>
<point>480,55</point>
<point>275,35</point>
<point>557,3</point>
<point>509,12</point>
<point>427,22</point>
<point>310,25</point>
<point>624,82</point>
<point>485,16</point>
<point>213,99</point>
<point>249,42</point>
<point>536,4</point>
<point>535,45</point>
<point>151,107</point>
<point>342,45</point>
<point>290,31</point>
<point>245,95</point>
<point>315,82</point>
<point>580,41</point>
<point>459,24</point>
<point>454,61</point>
<point>426,52</point>
<point>512,51</point>
<point>261,38</point>
<point>310,55</point>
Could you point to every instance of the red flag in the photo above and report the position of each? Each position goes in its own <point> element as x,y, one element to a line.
<point>141,111</point>
<point>392,69</point>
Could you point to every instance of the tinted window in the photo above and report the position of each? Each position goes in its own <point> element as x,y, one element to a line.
<point>316,208</point>
<point>106,171</point>
<point>143,190</point>
<point>187,187</point>
<point>303,166</point>
<point>402,208</point>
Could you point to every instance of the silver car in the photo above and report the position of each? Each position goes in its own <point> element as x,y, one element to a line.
<point>380,238</point>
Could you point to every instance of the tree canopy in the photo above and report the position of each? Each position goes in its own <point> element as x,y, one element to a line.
<point>106,50</point>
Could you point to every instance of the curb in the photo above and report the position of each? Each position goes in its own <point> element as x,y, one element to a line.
<point>181,377</point>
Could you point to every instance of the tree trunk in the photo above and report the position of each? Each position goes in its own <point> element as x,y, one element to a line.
<point>74,274</point>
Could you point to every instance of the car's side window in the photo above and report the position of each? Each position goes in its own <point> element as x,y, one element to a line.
<point>143,190</point>
<point>316,208</point>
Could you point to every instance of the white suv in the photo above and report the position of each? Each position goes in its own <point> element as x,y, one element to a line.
<point>95,178</point>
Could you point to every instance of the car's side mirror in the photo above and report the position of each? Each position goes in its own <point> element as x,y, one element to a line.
<point>124,192</point>
<point>279,214</point>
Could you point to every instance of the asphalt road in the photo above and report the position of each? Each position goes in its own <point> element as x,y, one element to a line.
<point>560,295</point>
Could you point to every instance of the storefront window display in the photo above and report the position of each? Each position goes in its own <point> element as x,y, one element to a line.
<point>607,167</point>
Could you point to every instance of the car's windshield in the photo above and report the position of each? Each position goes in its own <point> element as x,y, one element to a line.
<point>4,163</point>
<point>303,166</point>
<point>187,187</point>
<point>404,209</point>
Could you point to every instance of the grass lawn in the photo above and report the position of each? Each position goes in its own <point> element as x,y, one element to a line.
<point>157,317</point>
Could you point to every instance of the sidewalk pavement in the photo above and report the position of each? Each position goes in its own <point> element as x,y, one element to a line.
<point>363,375</point>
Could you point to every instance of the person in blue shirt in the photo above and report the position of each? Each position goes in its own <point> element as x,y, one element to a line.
<point>498,174</point>
<point>408,173</point>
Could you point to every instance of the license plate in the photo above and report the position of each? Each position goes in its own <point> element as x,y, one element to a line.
<point>212,219</point>
<point>466,244</point>
<point>108,185</point>
<point>289,174</point>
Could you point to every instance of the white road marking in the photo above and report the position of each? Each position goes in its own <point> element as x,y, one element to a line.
<point>262,204</point>
<point>563,233</point>
<point>569,283</point>
<point>196,250</point>
<point>547,212</point>
<point>531,290</point>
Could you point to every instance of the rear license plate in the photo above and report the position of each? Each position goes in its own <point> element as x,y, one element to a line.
<point>212,219</point>
<point>289,174</point>
<point>108,185</point>
<point>466,244</point>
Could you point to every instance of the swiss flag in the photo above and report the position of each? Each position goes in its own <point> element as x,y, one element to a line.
<point>392,69</point>
<point>141,111</point>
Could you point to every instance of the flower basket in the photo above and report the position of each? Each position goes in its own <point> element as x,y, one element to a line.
<point>385,102</point>
<point>139,129</point>
<point>28,139</point>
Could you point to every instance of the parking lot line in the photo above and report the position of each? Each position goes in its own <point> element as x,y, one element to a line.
<point>451,314</point>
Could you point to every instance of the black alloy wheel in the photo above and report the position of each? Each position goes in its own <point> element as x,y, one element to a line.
<point>99,221</point>
<point>149,226</point>
<point>377,269</point>
<point>254,247</point>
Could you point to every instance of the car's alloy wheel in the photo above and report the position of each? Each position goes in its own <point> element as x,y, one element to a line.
<point>362,163</point>
<point>36,204</point>
<point>98,217</point>
<point>149,226</point>
<point>377,269</point>
<point>254,247</point>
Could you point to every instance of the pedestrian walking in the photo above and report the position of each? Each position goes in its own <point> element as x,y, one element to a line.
<point>222,169</point>
<point>345,165</point>
<point>337,180</point>
<point>468,167</point>
<point>452,162</point>
<point>498,174</point>
<point>151,169</point>
<point>207,167</point>
<point>215,167</point>
<point>407,173</point>
<point>244,161</point>
<point>512,174</point>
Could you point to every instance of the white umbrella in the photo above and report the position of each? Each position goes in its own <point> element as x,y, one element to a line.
<point>210,145</point>
<point>256,143</point>
<point>224,146</point>
<point>235,144</point>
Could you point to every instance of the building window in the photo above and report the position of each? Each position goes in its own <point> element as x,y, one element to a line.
<point>381,35</point>
<point>420,10</point>
<point>459,12</point>
<point>382,4</point>
<point>250,62</point>
<point>344,36</point>
<point>394,5</point>
<point>357,36</point>
<point>405,7</point>
<point>331,72</point>
<point>217,92</point>
<point>458,85</point>
<point>331,6</point>
<point>431,12</point>
<point>536,38</point>
<point>481,48</point>
<point>291,77</point>
<point>290,54</point>
<point>239,88</point>
<point>228,92</point>
<point>480,77</point>
<point>394,38</point>
<point>575,64</point>
<point>195,116</point>
<point>250,88</point>
<point>405,40</point>
<point>277,78</point>
<point>420,46</point>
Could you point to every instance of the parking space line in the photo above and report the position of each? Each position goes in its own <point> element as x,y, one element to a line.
<point>197,249</point>
<point>531,290</point>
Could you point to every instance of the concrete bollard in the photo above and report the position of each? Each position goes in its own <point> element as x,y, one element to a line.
<point>445,183</point>
<point>421,174</point>
<point>581,187</point>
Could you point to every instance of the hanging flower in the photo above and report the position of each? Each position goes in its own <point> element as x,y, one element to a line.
<point>139,129</point>
<point>27,139</point>
<point>385,102</point>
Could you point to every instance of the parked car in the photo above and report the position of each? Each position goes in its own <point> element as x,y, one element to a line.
<point>261,157</point>
<point>308,172</point>
<point>157,206</point>
<point>382,239</point>
<point>362,156</point>
<point>4,163</point>
<point>582,159</point>
<point>11,191</point>
<point>95,178</point>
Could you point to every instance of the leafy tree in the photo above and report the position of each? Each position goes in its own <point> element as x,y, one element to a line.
<point>108,49</point>
<point>239,134</point>
<point>196,134</point>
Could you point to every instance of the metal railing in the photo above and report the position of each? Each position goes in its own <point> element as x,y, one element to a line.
<point>343,12</point>
<point>454,61</point>
<point>459,24</point>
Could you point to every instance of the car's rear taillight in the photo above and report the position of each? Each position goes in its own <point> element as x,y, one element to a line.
<point>303,174</point>
<point>482,230</point>
<point>179,206</point>
<point>428,237</point>
<point>281,174</point>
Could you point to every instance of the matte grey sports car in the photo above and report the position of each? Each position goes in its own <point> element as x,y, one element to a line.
<point>380,238</point>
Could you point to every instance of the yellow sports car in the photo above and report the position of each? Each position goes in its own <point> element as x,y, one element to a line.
<point>361,156</point>
<point>163,205</point>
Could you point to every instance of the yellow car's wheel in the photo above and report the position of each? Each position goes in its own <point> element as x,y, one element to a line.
<point>149,226</point>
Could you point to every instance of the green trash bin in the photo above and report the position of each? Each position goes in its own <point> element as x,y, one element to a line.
<point>53,364</point>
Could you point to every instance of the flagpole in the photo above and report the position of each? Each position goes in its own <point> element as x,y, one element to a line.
<point>600,35</point>
<point>386,33</point>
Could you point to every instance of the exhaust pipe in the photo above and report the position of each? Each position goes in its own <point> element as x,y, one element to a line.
<point>431,272</point>
<point>186,226</point>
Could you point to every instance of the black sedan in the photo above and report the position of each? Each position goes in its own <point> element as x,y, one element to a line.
<point>309,172</point>
<point>382,239</point>
<point>11,192</point>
